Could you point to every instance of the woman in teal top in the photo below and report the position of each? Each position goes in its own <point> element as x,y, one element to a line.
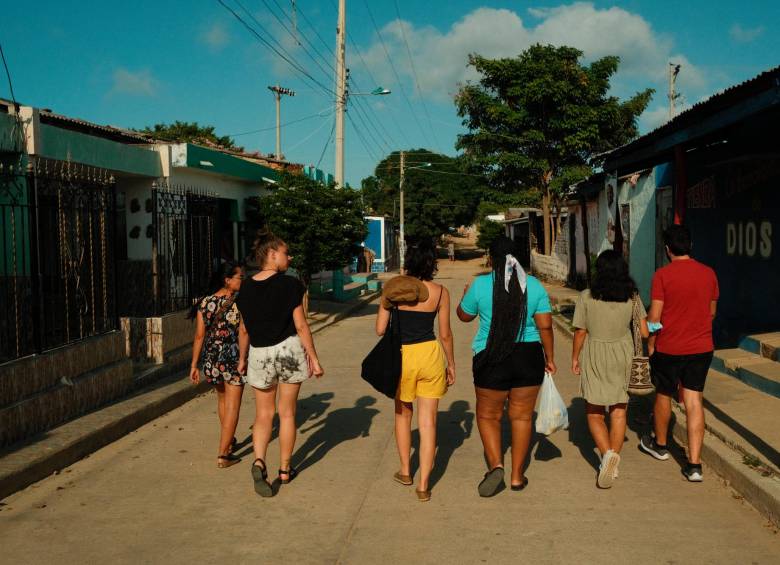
<point>512,350</point>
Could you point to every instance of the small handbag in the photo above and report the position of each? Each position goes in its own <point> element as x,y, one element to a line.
<point>382,366</point>
<point>639,381</point>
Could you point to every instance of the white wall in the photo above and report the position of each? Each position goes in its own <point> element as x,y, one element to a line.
<point>139,190</point>
<point>231,189</point>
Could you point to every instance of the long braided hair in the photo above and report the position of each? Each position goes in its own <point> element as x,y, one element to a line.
<point>509,308</point>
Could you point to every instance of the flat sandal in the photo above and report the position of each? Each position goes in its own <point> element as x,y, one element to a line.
<point>225,461</point>
<point>405,480</point>
<point>291,474</point>
<point>260,477</point>
<point>423,495</point>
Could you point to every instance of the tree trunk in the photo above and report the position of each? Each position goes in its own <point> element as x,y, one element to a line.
<point>546,220</point>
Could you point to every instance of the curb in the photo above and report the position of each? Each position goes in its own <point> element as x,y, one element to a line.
<point>74,440</point>
<point>762,492</point>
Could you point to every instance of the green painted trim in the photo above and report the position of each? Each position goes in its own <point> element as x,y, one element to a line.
<point>228,165</point>
<point>66,145</point>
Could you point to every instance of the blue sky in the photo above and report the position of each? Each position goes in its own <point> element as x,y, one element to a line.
<point>132,64</point>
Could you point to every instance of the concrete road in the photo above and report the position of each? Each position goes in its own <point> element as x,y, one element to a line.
<point>156,496</point>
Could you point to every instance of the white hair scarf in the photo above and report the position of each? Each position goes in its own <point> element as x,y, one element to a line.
<point>513,265</point>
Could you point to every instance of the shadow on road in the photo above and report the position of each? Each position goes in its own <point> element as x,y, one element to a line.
<point>340,425</point>
<point>309,408</point>
<point>579,435</point>
<point>453,428</point>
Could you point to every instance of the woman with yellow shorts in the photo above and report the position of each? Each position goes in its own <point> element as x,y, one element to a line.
<point>424,375</point>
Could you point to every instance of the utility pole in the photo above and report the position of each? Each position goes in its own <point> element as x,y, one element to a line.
<point>402,242</point>
<point>278,92</point>
<point>341,91</point>
<point>674,70</point>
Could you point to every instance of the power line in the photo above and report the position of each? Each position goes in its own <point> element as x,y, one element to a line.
<point>361,138</point>
<point>395,72</point>
<point>319,114</point>
<point>308,137</point>
<point>8,76</point>
<point>327,144</point>
<point>281,52</point>
<point>414,70</point>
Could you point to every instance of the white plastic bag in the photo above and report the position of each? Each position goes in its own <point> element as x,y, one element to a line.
<point>551,413</point>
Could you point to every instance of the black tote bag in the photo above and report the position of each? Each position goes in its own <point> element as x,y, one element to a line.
<point>382,366</point>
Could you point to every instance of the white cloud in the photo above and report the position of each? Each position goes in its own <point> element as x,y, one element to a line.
<point>215,36</point>
<point>441,57</point>
<point>140,83</point>
<point>745,34</point>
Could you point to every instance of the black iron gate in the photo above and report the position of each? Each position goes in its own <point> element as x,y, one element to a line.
<point>184,254</point>
<point>57,275</point>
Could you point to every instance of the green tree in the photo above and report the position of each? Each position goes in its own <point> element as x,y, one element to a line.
<point>536,121</point>
<point>437,196</point>
<point>488,231</point>
<point>190,132</point>
<point>322,225</point>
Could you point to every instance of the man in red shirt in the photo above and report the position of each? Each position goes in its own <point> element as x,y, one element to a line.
<point>683,297</point>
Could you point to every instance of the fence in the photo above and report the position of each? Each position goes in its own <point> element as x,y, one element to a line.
<point>184,253</point>
<point>57,232</point>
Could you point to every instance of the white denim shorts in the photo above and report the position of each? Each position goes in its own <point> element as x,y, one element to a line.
<point>284,362</point>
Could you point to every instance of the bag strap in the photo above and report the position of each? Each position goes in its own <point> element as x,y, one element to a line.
<point>636,331</point>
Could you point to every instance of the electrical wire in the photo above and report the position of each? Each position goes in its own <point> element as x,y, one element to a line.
<point>327,143</point>
<point>281,52</point>
<point>395,72</point>
<point>320,114</point>
<point>308,137</point>
<point>414,70</point>
<point>8,76</point>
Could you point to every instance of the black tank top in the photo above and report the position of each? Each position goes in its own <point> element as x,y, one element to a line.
<point>417,327</point>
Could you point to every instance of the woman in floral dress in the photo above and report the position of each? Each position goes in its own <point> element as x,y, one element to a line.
<point>216,338</point>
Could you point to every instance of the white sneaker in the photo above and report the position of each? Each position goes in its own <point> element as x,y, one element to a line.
<point>609,464</point>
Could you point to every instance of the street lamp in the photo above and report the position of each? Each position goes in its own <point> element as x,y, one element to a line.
<point>378,91</point>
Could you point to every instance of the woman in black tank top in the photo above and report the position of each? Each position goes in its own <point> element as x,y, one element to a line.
<point>424,375</point>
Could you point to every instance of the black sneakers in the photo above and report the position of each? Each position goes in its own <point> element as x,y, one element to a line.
<point>693,472</point>
<point>651,447</point>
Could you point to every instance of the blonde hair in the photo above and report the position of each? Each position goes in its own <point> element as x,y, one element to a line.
<point>264,243</point>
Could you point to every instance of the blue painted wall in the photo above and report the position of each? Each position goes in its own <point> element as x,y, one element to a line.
<point>374,237</point>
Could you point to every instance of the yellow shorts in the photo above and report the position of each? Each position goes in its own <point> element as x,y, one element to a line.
<point>422,371</point>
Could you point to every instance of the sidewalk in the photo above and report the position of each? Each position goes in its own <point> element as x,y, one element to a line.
<point>743,439</point>
<point>39,457</point>
<point>156,495</point>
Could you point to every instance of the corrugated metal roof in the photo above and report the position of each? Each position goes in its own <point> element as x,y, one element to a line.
<point>49,117</point>
<point>715,103</point>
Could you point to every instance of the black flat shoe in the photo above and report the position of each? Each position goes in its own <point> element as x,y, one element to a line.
<point>492,483</point>
<point>291,474</point>
<point>260,476</point>
<point>522,486</point>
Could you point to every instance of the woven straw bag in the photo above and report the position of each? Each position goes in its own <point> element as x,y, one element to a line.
<point>639,381</point>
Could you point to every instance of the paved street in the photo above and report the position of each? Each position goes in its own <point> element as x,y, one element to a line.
<point>156,496</point>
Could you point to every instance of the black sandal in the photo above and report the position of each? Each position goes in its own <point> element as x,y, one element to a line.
<point>291,474</point>
<point>520,486</point>
<point>225,461</point>
<point>234,444</point>
<point>260,476</point>
<point>492,483</point>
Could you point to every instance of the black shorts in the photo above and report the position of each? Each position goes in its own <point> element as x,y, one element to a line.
<point>523,367</point>
<point>669,371</point>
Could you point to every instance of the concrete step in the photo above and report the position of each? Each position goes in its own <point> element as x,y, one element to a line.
<point>754,370</point>
<point>743,417</point>
<point>766,345</point>
<point>375,285</point>
<point>350,291</point>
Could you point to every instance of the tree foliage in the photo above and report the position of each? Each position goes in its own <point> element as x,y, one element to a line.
<point>190,132</point>
<point>537,121</point>
<point>322,225</point>
<point>437,197</point>
<point>488,231</point>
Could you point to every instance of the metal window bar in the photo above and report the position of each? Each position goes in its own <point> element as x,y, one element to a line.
<point>57,272</point>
